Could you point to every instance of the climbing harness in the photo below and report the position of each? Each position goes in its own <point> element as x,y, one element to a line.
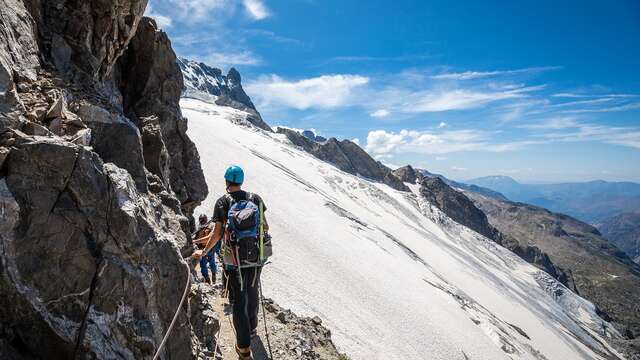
<point>175,316</point>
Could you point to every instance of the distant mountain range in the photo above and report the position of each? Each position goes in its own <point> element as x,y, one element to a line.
<point>592,201</point>
<point>612,207</point>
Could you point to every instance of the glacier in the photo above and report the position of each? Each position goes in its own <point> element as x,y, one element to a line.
<point>389,274</point>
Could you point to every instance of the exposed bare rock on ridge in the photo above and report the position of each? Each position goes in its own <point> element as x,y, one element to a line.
<point>408,174</point>
<point>82,259</point>
<point>207,83</point>
<point>457,206</point>
<point>18,58</point>
<point>346,156</point>
<point>92,235</point>
<point>86,37</point>
<point>111,133</point>
<point>151,83</point>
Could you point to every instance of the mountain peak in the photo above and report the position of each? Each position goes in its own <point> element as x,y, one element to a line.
<point>234,76</point>
<point>207,83</point>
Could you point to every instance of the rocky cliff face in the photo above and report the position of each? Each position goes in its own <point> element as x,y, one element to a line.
<point>408,174</point>
<point>97,183</point>
<point>599,271</point>
<point>346,156</point>
<point>624,231</point>
<point>151,83</point>
<point>207,83</point>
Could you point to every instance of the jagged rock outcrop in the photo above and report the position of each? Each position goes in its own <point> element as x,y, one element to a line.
<point>457,206</point>
<point>599,271</point>
<point>85,38</point>
<point>309,134</point>
<point>81,248</point>
<point>346,156</point>
<point>18,59</point>
<point>207,83</point>
<point>151,83</point>
<point>408,174</point>
<point>92,234</point>
<point>463,186</point>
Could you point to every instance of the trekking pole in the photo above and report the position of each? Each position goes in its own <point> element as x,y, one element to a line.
<point>264,318</point>
<point>175,316</point>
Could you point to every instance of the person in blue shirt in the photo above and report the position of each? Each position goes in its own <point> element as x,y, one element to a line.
<point>209,260</point>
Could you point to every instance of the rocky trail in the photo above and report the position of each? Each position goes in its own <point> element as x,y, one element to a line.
<point>291,336</point>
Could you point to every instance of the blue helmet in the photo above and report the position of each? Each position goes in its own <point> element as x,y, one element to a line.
<point>234,174</point>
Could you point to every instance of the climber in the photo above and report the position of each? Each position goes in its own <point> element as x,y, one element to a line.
<point>239,216</point>
<point>209,260</point>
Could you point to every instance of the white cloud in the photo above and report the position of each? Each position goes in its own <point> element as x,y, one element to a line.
<point>227,59</point>
<point>256,9</point>
<point>553,123</point>
<point>461,99</point>
<point>470,75</point>
<point>574,95</point>
<point>355,141</point>
<point>442,125</point>
<point>323,92</point>
<point>625,107</point>
<point>625,136</point>
<point>381,142</point>
<point>163,22</point>
<point>380,113</point>
<point>458,168</point>
<point>199,10</point>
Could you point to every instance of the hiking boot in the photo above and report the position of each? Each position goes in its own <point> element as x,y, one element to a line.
<point>254,333</point>
<point>244,353</point>
<point>207,280</point>
<point>213,279</point>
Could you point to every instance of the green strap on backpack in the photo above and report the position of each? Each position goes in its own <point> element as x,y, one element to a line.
<point>261,244</point>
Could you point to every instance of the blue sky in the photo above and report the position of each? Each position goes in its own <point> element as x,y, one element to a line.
<point>538,90</point>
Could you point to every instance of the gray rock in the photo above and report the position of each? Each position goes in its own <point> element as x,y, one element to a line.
<point>346,156</point>
<point>151,81</point>
<point>88,36</point>
<point>87,220</point>
<point>408,174</point>
<point>18,59</point>
<point>156,157</point>
<point>205,323</point>
<point>116,139</point>
<point>206,83</point>
<point>90,261</point>
<point>3,155</point>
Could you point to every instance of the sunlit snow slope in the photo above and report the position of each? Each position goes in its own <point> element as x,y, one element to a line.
<point>391,276</point>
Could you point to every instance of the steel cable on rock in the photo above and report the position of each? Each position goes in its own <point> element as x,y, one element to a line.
<point>175,316</point>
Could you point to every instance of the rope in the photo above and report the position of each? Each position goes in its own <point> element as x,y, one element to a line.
<point>175,316</point>
<point>264,318</point>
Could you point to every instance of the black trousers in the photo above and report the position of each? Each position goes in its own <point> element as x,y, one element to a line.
<point>245,303</point>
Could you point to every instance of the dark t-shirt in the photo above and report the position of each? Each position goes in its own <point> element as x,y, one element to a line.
<point>224,203</point>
